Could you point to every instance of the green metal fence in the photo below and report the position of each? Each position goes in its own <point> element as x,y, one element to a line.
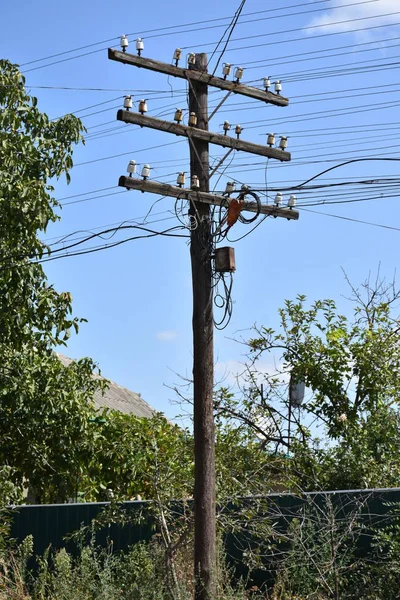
<point>51,524</point>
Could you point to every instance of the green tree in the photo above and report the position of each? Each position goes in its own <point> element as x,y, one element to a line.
<point>135,456</point>
<point>347,431</point>
<point>44,406</point>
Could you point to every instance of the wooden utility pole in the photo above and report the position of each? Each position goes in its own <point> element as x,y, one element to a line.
<point>201,244</point>
<point>201,250</point>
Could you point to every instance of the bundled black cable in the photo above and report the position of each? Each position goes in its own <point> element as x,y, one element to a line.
<point>242,197</point>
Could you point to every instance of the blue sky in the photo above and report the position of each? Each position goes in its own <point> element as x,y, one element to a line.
<point>339,65</point>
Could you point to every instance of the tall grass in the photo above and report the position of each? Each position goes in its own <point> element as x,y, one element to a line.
<point>95,573</point>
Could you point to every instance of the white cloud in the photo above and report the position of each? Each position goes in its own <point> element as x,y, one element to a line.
<point>339,17</point>
<point>231,372</point>
<point>166,336</point>
<point>227,372</point>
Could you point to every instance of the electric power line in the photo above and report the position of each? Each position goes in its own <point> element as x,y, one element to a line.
<point>175,27</point>
<point>353,220</point>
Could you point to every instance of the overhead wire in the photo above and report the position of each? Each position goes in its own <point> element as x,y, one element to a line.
<point>343,96</point>
<point>92,198</point>
<point>327,202</point>
<point>232,49</point>
<point>321,56</point>
<point>92,106</point>
<point>344,164</point>
<point>296,118</point>
<point>325,73</point>
<point>316,54</point>
<point>296,29</point>
<point>244,106</point>
<point>90,89</point>
<point>305,39</point>
<point>351,195</point>
<point>332,113</point>
<point>288,165</point>
<point>96,160</point>
<point>168,32</point>
<point>319,73</point>
<point>115,244</point>
<point>307,74</point>
<point>137,220</point>
<point>169,28</point>
<point>313,55</point>
<point>331,154</point>
<point>353,220</point>
<point>230,29</point>
<point>38,259</point>
<point>111,231</point>
<point>163,95</point>
<point>336,95</point>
